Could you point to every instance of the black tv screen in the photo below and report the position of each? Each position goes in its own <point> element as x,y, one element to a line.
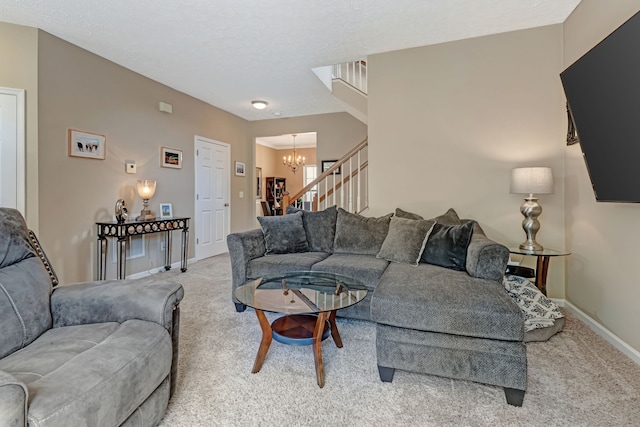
<point>603,95</point>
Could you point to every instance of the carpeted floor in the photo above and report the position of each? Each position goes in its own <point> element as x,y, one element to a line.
<point>575,379</point>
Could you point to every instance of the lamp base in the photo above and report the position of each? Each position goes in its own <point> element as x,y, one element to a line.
<point>145,215</point>
<point>530,209</point>
<point>531,246</point>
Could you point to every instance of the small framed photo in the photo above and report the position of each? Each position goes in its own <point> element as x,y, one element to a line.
<point>240,169</point>
<point>170,158</point>
<point>87,144</point>
<point>326,164</point>
<point>166,211</point>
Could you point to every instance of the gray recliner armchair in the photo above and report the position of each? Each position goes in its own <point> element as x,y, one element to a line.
<point>93,354</point>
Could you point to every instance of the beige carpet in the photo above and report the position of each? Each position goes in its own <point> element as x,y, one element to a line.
<point>575,379</point>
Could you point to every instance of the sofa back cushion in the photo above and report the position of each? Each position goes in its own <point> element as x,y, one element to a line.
<point>25,286</point>
<point>320,227</point>
<point>356,234</point>
<point>284,234</point>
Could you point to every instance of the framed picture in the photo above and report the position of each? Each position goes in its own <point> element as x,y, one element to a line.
<point>326,164</point>
<point>87,144</point>
<point>166,211</point>
<point>258,183</point>
<point>240,169</point>
<point>170,158</point>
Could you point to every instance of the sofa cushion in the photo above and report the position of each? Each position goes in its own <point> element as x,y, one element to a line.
<point>435,299</point>
<point>320,227</point>
<point>405,240</point>
<point>450,217</point>
<point>95,374</point>
<point>447,245</point>
<point>284,234</point>
<point>365,268</point>
<point>357,234</point>
<point>407,215</point>
<point>283,263</point>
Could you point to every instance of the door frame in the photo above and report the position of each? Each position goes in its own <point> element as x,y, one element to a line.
<point>197,138</point>
<point>21,178</point>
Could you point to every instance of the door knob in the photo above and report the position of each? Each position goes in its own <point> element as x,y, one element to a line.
<point>226,204</point>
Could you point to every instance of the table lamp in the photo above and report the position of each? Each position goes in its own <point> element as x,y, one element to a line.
<point>536,180</point>
<point>146,190</point>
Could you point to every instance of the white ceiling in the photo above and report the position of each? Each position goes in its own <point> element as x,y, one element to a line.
<point>229,52</point>
<point>281,142</point>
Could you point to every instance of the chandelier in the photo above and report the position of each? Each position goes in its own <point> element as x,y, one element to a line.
<point>293,161</point>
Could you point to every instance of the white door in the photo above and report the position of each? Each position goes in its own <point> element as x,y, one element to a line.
<point>212,222</point>
<point>12,149</point>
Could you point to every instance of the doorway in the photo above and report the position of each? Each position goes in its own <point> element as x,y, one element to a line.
<point>12,149</point>
<point>212,210</point>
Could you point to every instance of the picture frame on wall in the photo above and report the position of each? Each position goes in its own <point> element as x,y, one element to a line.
<point>241,169</point>
<point>170,158</point>
<point>166,211</point>
<point>86,144</point>
<point>326,165</point>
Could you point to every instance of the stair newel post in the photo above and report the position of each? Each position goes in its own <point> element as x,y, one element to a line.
<point>285,203</point>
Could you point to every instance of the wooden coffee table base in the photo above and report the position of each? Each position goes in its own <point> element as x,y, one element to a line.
<point>298,327</point>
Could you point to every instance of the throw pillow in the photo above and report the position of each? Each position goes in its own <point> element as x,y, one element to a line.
<point>320,227</point>
<point>284,234</point>
<point>406,240</point>
<point>408,215</point>
<point>450,217</point>
<point>447,245</point>
<point>356,234</point>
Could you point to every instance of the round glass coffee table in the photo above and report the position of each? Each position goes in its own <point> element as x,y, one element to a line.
<point>309,300</point>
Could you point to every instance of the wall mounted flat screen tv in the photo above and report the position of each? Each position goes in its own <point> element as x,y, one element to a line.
<point>603,95</point>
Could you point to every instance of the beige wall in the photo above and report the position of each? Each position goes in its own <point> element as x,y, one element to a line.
<point>266,159</point>
<point>602,279</point>
<point>448,122</point>
<point>19,70</point>
<point>83,91</point>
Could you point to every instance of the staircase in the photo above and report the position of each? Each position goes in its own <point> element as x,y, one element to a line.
<point>344,184</point>
<point>348,83</point>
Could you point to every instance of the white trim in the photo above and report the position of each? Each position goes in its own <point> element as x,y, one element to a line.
<point>21,177</point>
<point>157,270</point>
<point>609,336</point>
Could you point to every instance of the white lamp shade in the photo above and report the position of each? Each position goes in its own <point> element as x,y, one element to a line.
<point>537,180</point>
<point>146,188</point>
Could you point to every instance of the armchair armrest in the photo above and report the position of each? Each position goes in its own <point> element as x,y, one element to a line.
<point>486,259</point>
<point>243,247</point>
<point>148,299</point>
<point>13,401</point>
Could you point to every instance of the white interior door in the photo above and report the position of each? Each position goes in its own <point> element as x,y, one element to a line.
<point>212,222</point>
<point>12,149</point>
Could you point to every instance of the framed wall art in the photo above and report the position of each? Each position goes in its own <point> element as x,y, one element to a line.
<point>258,183</point>
<point>166,211</point>
<point>326,165</point>
<point>240,169</point>
<point>170,158</point>
<point>86,144</point>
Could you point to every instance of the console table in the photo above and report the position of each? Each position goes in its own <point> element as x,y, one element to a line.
<point>542,263</point>
<point>122,230</point>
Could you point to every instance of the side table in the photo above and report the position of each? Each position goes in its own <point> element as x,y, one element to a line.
<point>122,230</point>
<point>542,263</point>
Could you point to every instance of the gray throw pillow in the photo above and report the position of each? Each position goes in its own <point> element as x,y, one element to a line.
<point>284,234</point>
<point>320,227</point>
<point>450,217</point>
<point>406,240</point>
<point>447,245</point>
<point>408,215</point>
<point>356,234</point>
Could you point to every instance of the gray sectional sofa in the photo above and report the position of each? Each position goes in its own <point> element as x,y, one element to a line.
<point>435,288</point>
<point>91,354</point>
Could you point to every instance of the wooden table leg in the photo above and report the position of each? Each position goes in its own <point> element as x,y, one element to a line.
<point>317,347</point>
<point>265,343</point>
<point>334,330</point>
<point>542,267</point>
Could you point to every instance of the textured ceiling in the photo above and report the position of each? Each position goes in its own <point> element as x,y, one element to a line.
<point>229,52</point>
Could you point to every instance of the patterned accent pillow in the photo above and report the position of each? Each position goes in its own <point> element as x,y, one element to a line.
<point>406,240</point>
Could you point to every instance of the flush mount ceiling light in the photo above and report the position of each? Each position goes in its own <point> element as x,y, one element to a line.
<point>260,105</point>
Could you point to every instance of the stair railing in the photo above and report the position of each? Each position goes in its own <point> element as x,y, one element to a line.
<point>344,184</point>
<point>352,73</point>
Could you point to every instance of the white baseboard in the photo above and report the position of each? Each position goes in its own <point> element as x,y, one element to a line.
<point>156,270</point>
<point>609,336</point>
